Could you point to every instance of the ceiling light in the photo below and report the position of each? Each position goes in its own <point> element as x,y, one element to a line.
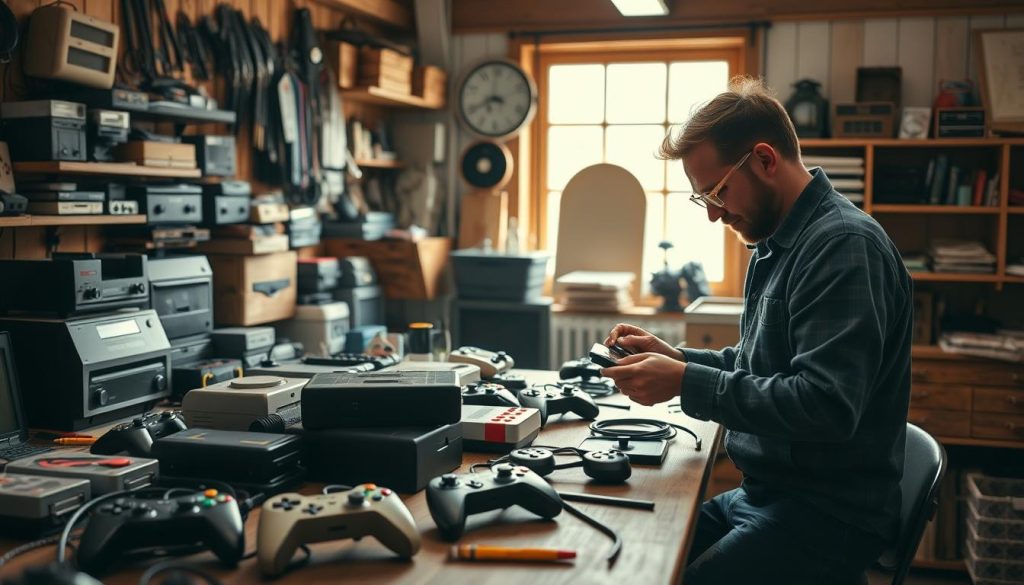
<point>641,7</point>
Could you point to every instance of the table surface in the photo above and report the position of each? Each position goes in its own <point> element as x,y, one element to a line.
<point>655,543</point>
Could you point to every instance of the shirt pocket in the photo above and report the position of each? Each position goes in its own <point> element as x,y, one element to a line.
<point>773,312</point>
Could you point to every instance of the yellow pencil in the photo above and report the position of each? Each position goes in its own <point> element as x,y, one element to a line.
<point>476,552</point>
<point>75,441</point>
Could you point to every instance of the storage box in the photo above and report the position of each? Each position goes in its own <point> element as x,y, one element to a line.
<point>252,290</point>
<point>158,154</point>
<point>430,83</point>
<point>405,270</point>
<point>504,277</point>
<point>344,57</point>
<point>713,322</point>
<point>386,69</point>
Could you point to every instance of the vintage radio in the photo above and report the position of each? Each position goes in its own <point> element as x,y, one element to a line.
<point>215,155</point>
<point>864,120</point>
<point>962,122</point>
<point>68,45</point>
<point>44,130</point>
<point>169,204</point>
<point>73,283</point>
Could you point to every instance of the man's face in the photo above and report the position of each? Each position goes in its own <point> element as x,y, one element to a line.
<point>751,206</point>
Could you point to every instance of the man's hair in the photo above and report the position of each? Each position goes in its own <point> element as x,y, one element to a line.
<point>734,122</point>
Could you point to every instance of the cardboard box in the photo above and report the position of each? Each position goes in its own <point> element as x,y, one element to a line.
<point>405,270</point>
<point>386,69</point>
<point>158,154</point>
<point>430,83</point>
<point>246,246</point>
<point>253,290</point>
<point>344,57</point>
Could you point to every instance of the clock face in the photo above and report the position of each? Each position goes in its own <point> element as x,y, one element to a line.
<point>497,99</point>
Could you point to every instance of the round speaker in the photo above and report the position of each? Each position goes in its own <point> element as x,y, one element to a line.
<point>487,165</point>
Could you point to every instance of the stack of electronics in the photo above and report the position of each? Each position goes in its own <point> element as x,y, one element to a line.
<point>372,225</point>
<point>181,290</point>
<point>357,286</point>
<point>90,349</point>
<point>173,212</point>
<point>320,323</point>
<point>304,227</point>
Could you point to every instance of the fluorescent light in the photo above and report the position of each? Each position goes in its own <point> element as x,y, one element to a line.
<point>641,7</point>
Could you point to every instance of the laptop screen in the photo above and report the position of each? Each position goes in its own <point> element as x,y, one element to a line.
<point>8,416</point>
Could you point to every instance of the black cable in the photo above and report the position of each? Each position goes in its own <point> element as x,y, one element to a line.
<point>660,430</point>
<point>27,547</point>
<point>165,566</point>
<point>604,529</point>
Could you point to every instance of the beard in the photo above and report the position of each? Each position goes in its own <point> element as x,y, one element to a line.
<point>762,221</point>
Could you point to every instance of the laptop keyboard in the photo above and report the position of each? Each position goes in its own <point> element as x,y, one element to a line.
<point>23,450</point>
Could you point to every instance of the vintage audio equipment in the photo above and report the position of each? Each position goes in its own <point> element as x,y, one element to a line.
<point>68,45</point>
<point>388,398</point>
<point>71,283</point>
<point>304,227</point>
<point>249,344</point>
<point>960,122</point>
<point>235,404</point>
<point>225,209</point>
<point>247,240</point>
<point>44,130</point>
<point>122,207</point>
<point>191,349</point>
<point>178,203</point>
<point>230,188</point>
<point>65,207</point>
<point>31,505</point>
<point>60,192</point>
<point>268,209</point>
<point>864,120</point>
<point>215,155</point>
<point>181,293</point>
<point>12,204</point>
<point>107,129</point>
<point>320,328</point>
<point>106,474</point>
<point>86,371</point>
<point>111,99</point>
<point>318,274</point>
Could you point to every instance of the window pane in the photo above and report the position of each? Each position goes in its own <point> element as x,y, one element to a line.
<point>576,94</point>
<point>675,178</point>
<point>653,234</point>
<point>636,93</point>
<point>695,238</point>
<point>634,148</point>
<point>554,201</point>
<point>691,83</point>
<point>571,149</point>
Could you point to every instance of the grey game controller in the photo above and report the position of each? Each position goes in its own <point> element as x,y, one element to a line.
<point>608,466</point>
<point>486,394</point>
<point>289,520</point>
<point>550,402</point>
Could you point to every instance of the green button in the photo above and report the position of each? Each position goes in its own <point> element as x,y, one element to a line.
<point>208,503</point>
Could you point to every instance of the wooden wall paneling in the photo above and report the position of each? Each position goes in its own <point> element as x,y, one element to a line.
<point>780,58</point>
<point>881,36</point>
<point>813,53</point>
<point>918,37</point>
<point>102,9</point>
<point>1015,20</point>
<point>847,56</point>
<point>950,49</point>
<point>980,22</point>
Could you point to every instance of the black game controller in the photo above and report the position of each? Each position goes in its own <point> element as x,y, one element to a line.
<point>486,394</point>
<point>129,524</point>
<point>567,398</point>
<point>611,466</point>
<point>136,437</point>
<point>513,382</point>
<point>582,368</point>
<point>451,498</point>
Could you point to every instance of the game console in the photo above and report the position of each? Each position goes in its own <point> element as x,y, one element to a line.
<point>106,474</point>
<point>65,207</point>
<point>248,344</point>
<point>43,130</point>
<point>290,520</point>
<point>75,283</point>
<point>235,404</point>
<point>215,155</point>
<point>487,394</point>
<point>130,525</point>
<point>413,454</point>
<point>498,429</point>
<point>607,466</point>
<point>491,363</point>
<point>107,129</point>
<point>451,498</point>
<point>319,274</point>
<point>320,328</point>
<point>136,438</point>
<point>467,373</point>
<point>365,304</point>
<point>225,209</point>
<point>551,399</point>
<point>304,227</point>
<point>181,293</point>
<point>203,373</point>
<point>190,350</point>
<point>174,204</point>
<point>34,505</point>
<point>12,204</point>
<point>378,399</point>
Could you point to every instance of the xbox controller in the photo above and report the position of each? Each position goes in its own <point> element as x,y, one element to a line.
<point>451,497</point>
<point>290,520</point>
<point>610,466</point>
<point>490,363</point>
<point>513,382</point>
<point>567,399</point>
<point>582,368</point>
<point>486,394</point>
<point>136,437</point>
<point>132,524</point>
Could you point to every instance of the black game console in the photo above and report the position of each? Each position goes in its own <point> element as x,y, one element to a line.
<point>181,291</point>
<point>44,130</point>
<point>385,398</point>
<point>403,458</point>
<point>215,155</point>
<point>76,283</point>
<point>203,373</point>
<point>34,505</point>
<point>176,204</point>
<point>248,344</point>
<point>318,274</point>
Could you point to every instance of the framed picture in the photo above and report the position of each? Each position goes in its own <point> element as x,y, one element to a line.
<point>1002,77</point>
<point>915,122</point>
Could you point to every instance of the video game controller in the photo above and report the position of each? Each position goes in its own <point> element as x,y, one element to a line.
<point>453,497</point>
<point>290,520</point>
<point>490,363</point>
<point>582,368</point>
<point>550,402</point>
<point>131,524</point>
<point>486,394</point>
<point>610,466</point>
<point>513,382</point>
<point>136,437</point>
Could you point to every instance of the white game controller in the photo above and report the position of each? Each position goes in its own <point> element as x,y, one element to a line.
<point>490,363</point>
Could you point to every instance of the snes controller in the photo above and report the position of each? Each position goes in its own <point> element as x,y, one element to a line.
<point>609,466</point>
<point>453,497</point>
<point>290,520</point>
<point>134,524</point>
<point>567,398</point>
<point>136,437</point>
<point>490,363</point>
<point>486,394</point>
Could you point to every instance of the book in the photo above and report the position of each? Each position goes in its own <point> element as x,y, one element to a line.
<point>980,182</point>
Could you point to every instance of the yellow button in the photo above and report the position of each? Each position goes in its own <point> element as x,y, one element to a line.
<point>210,493</point>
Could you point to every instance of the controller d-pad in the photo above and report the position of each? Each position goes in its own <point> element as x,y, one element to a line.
<point>475,483</point>
<point>312,509</point>
<point>286,504</point>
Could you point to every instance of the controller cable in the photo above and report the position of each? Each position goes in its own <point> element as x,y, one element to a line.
<point>603,528</point>
<point>619,428</point>
<point>335,487</point>
<point>28,547</point>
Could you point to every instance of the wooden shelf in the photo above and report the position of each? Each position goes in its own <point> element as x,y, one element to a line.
<point>957,565</point>
<point>955,277</point>
<point>383,97</point>
<point>915,143</point>
<point>937,209</point>
<point>971,442</point>
<point>59,220</point>
<point>1015,210</point>
<point>371,163</point>
<point>102,168</point>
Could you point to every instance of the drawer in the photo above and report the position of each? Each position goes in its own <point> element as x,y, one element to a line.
<point>986,425</point>
<point>711,336</point>
<point>999,400</point>
<point>941,423</point>
<point>981,373</point>
<point>935,396</point>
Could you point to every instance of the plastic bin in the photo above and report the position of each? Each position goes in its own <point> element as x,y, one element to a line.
<point>992,548</point>
<point>996,497</point>
<point>999,570</point>
<point>499,277</point>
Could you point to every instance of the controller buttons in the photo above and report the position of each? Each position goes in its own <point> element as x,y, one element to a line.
<point>369,487</point>
<point>377,497</point>
<point>474,483</point>
<point>504,471</point>
<point>449,480</point>
<point>312,509</point>
<point>385,491</point>
<point>210,493</point>
<point>285,504</point>
<point>356,498</point>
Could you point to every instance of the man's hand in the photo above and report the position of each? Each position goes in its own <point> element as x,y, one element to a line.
<point>648,378</point>
<point>637,340</point>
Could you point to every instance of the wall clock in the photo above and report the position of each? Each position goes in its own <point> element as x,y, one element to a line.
<point>496,99</point>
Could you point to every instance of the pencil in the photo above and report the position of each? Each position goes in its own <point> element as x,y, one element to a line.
<point>75,441</point>
<point>476,552</point>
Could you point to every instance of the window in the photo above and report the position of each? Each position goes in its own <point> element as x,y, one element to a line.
<point>615,102</point>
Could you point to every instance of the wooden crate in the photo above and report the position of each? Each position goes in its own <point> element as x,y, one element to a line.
<point>405,270</point>
<point>430,83</point>
<point>386,69</point>
<point>344,59</point>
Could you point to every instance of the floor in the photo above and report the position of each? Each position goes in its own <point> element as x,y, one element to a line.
<point>922,577</point>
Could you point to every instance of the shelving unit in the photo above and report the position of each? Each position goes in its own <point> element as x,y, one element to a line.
<point>370,163</point>
<point>383,97</point>
<point>102,169</point>
<point>63,220</point>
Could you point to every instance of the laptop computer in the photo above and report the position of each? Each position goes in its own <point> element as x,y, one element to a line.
<point>13,430</point>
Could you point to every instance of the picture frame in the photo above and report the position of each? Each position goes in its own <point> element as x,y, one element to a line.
<point>1001,77</point>
<point>915,122</point>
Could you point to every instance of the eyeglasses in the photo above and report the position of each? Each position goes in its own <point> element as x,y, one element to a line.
<point>704,199</point>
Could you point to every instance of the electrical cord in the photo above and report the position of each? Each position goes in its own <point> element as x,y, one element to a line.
<point>335,487</point>
<point>28,547</point>
<point>165,566</point>
<point>601,527</point>
<point>617,428</point>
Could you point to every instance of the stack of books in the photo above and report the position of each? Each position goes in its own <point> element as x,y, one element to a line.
<point>961,256</point>
<point>1006,345</point>
<point>950,183</point>
<point>595,291</point>
<point>845,172</point>
<point>915,262</point>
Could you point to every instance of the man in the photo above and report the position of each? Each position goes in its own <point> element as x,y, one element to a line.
<point>814,397</point>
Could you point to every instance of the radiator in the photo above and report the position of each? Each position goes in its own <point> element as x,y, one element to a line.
<point>572,335</point>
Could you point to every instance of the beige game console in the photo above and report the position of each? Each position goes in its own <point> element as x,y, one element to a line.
<point>235,404</point>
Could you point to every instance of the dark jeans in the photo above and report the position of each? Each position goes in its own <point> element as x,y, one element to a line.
<point>774,538</point>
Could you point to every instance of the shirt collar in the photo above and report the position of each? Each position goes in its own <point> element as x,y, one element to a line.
<point>795,221</point>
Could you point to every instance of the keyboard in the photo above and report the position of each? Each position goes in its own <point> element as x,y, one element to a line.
<point>361,361</point>
<point>22,450</point>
